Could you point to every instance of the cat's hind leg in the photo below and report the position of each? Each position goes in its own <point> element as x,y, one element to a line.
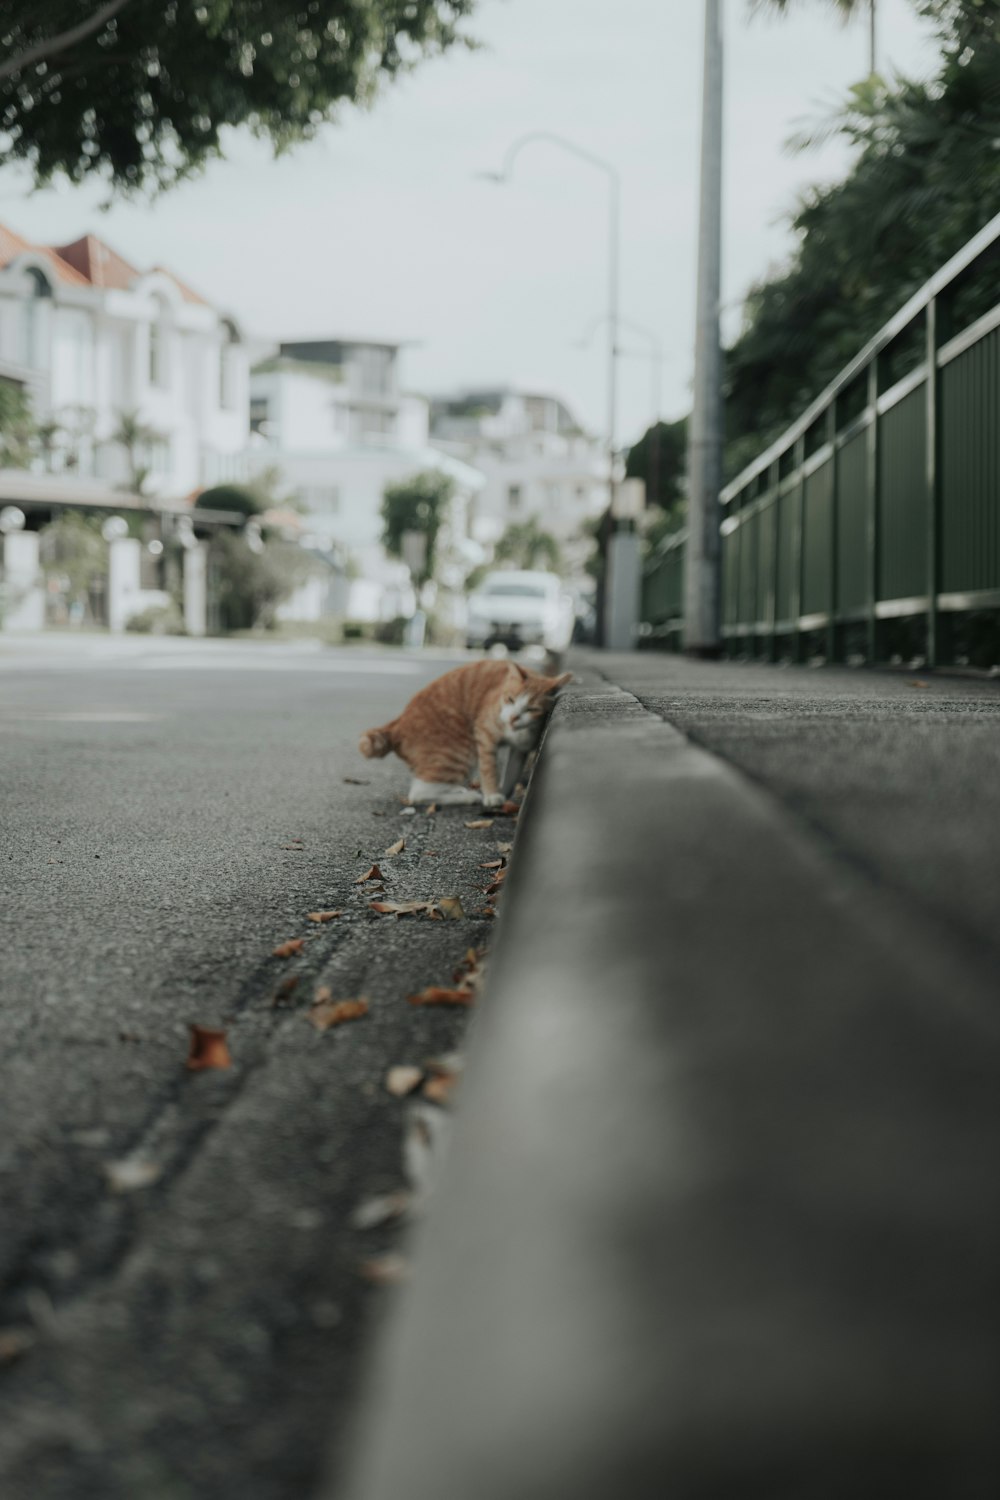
<point>440,791</point>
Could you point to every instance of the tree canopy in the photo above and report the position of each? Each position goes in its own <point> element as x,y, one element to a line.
<point>925,178</point>
<point>139,91</point>
<point>418,504</point>
<point>528,545</point>
<point>659,458</point>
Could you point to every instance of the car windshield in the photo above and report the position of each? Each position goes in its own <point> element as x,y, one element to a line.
<point>517,590</point>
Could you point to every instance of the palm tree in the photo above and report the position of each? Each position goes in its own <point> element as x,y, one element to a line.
<point>847,10</point>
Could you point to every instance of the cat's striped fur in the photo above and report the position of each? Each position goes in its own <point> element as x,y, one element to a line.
<point>455,725</point>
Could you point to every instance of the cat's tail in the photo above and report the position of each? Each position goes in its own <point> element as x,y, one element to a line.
<point>376,742</point>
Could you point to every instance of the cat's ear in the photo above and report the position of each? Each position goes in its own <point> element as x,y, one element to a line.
<point>522,672</point>
<point>558,682</point>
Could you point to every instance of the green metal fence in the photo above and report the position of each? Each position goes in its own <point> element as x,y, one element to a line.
<point>870,530</point>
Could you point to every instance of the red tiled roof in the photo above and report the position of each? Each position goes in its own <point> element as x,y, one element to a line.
<point>12,245</point>
<point>88,261</point>
<point>187,292</point>
<point>97,263</point>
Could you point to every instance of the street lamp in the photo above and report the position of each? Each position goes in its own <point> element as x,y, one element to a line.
<point>614,232</point>
<point>655,357</point>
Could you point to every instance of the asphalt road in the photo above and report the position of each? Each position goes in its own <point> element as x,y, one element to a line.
<point>171,812</point>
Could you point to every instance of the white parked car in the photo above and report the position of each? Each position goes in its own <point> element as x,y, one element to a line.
<point>520,609</point>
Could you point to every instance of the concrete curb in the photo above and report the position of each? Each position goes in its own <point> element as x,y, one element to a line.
<point>720,1215</point>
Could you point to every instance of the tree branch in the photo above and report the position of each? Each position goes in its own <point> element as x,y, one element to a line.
<point>62,41</point>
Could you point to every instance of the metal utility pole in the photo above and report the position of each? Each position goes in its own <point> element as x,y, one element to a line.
<point>701,557</point>
<point>871,37</point>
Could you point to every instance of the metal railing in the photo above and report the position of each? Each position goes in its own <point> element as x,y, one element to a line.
<point>870,530</point>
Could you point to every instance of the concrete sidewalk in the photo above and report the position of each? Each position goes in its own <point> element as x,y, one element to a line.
<point>722,1215</point>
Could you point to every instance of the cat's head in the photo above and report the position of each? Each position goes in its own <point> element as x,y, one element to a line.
<point>526,703</point>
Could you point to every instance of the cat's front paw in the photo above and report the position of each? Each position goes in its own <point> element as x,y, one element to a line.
<point>493,799</point>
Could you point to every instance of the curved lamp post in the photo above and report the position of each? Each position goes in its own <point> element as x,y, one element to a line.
<point>614,233</point>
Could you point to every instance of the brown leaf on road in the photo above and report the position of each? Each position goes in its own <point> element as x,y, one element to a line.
<point>373,874</point>
<point>397,847</point>
<point>13,1343</point>
<point>399,908</point>
<point>355,781</point>
<point>492,864</point>
<point>504,848</point>
<point>381,1210</point>
<point>131,1173</point>
<point>918,682</point>
<point>321,916</point>
<point>324,1015</point>
<point>208,1049</point>
<point>285,989</point>
<point>286,950</point>
<point>403,1079</point>
<point>385,1270</point>
<point>497,885</point>
<point>441,907</point>
<point>510,809</point>
<point>450,907</point>
<point>434,994</point>
<point>323,995</point>
<point>431,809</point>
<point>440,1088</point>
<point>480,823</point>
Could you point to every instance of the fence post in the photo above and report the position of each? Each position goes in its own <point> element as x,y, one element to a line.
<point>872,528</point>
<point>933,496</point>
<point>831,624</point>
<point>800,504</point>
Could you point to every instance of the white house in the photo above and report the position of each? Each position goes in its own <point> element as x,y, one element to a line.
<point>92,339</point>
<point>328,415</point>
<point>537,461</point>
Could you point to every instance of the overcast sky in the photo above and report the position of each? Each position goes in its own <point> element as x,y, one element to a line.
<point>380,228</point>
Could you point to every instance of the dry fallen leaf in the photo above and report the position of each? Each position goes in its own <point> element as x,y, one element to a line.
<point>385,1270</point>
<point>432,808</point>
<point>397,847</point>
<point>130,1174</point>
<point>354,781</point>
<point>434,994</point>
<point>504,848</point>
<point>918,682</point>
<point>325,1015</point>
<point>285,988</point>
<point>510,809</point>
<point>285,950</point>
<point>440,1088</point>
<point>322,916</point>
<point>450,907</point>
<point>492,864</point>
<point>399,908</point>
<point>497,885</point>
<point>323,995</point>
<point>380,1210</point>
<point>403,1079</point>
<point>208,1049</point>
<point>13,1343</point>
<point>373,874</point>
<point>480,823</point>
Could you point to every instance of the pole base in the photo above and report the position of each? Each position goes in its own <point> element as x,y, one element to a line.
<point>704,653</point>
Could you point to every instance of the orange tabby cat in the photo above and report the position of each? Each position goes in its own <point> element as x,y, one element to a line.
<point>459,721</point>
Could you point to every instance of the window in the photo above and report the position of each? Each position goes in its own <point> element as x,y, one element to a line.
<point>35,320</point>
<point>159,348</point>
<point>515,496</point>
<point>227,367</point>
<point>376,367</point>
